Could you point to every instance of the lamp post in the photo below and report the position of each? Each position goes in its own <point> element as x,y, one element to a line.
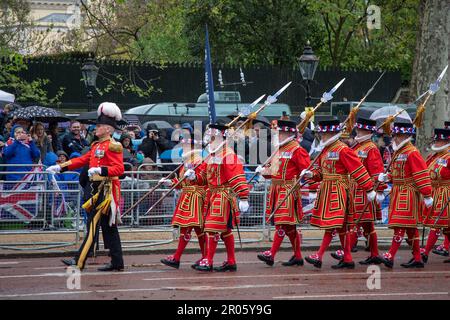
<point>308,63</point>
<point>90,71</point>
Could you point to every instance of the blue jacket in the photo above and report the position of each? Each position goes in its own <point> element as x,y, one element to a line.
<point>16,152</point>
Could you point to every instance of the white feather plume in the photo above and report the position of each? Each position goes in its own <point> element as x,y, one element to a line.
<point>110,109</point>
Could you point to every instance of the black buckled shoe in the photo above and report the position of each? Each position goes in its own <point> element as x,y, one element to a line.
<point>344,265</point>
<point>388,262</point>
<point>413,264</point>
<point>440,251</point>
<point>110,267</point>
<point>196,264</point>
<point>204,265</point>
<point>69,262</point>
<point>226,267</point>
<point>293,261</point>
<point>171,263</point>
<point>371,260</point>
<point>266,258</point>
<point>314,261</point>
<point>424,258</point>
<point>336,256</point>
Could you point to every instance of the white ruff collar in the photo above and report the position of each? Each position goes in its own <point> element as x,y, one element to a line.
<point>396,147</point>
<point>438,149</point>
<point>363,138</point>
<point>285,141</point>
<point>329,141</point>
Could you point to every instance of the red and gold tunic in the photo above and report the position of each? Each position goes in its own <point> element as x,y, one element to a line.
<point>285,167</point>
<point>439,167</point>
<point>337,164</point>
<point>370,157</point>
<point>189,209</point>
<point>226,180</point>
<point>106,154</point>
<point>410,180</point>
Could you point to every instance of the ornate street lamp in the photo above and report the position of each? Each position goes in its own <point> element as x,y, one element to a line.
<point>90,71</point>
<point>308,63</point>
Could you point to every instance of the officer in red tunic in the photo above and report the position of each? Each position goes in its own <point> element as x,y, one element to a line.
<point>370,157</point>
<point>332,210</point>
<point>284,170</point>
<point>226,181</point>
<point>439,166</point>
<point>188,213</point>
<point>105,162</point>
<point>411,190</point>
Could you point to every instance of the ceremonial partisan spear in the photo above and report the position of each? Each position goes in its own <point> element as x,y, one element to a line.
<point>269,101</point>
<point>418,120</point>
<point>179,167</point>
<point>327,96</point>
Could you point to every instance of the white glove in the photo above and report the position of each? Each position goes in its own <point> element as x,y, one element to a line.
<point>428,202</point>
<point>312,196</point>
<point>190,174</point>
<point>243,205</point>
<point>95,170</point>
<point>306,173</point>
<point>53,169</point>
<point>371,195</point>
<point>380,197</point>
<point>259,169</point>
<point>383,177</point>
<point>166,182</point>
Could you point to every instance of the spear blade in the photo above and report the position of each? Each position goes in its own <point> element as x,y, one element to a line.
<point>327,96</point>
<point>274,98</point>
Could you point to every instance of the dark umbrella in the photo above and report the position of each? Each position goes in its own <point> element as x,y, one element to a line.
<point>39,113</point>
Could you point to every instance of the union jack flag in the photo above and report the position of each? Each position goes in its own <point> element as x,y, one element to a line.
<point>19,201</point>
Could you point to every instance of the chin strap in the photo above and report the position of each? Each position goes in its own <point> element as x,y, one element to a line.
<point>442,148</point>
<point>396,147</point>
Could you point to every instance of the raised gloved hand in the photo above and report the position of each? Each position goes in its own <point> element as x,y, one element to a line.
<point>428,201</point>
<point>190,174</point>
<point>166,182</point>
<point>306,173</point>
<point>53,169</point>
<point>371,195</point>
<point>383,177</point>
<point>380,197</point>
<point>95,170</point>
<point>243,205</point>
<point>259,170</point>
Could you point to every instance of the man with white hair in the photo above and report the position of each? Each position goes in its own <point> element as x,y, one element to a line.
<point>105,162</point>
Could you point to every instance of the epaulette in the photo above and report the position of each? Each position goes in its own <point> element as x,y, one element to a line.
<point>115,146</point>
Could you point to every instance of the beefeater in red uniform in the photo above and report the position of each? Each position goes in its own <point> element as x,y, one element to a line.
<point>105,160</point>
<point>332,210</point>
<point>439,166</point>
<point>411,189</point>
<point>371,158</point>
<point>188,213</point>
<point>226,182</point>
<point>284,170</point>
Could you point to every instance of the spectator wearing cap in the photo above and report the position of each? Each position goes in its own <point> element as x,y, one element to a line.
<point>40,138</point>
<point>73,141</point>
<point>62,156</point>
<point>127,143</point>
<point>20,149</point>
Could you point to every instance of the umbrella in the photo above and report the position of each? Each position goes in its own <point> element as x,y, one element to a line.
<point>159,124</point>
<point>259,118</point>
<point>90,117</point>
<point>39,113</point>
<point>381,114</point>
<point>5,96</point>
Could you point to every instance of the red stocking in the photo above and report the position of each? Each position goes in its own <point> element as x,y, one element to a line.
<point>228,239</point>
<point>277,240</point>
<point>183,240</point>
<point>211,246</point>
<point>432,238</point>
<point>327,237</point>
<point>399,233</point>
<point>201,240</point>
<point>294,237</point>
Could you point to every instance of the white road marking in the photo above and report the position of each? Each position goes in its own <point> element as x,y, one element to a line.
<point>363,274</point>
<point>12,262</point>
<point>63,274</point>
<point>195,288</point>
<point>355,295</point>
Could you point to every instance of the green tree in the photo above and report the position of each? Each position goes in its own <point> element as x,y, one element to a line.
<point>251,32</point>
